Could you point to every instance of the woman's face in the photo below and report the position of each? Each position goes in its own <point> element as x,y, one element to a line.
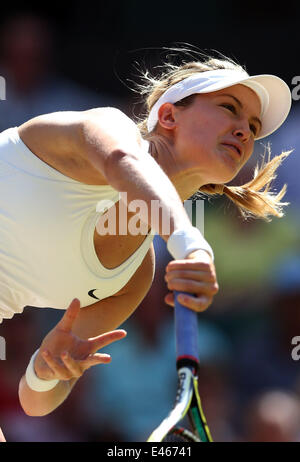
<point>216,132</point>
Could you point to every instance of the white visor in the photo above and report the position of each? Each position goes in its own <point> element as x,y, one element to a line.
<point>273,92</point>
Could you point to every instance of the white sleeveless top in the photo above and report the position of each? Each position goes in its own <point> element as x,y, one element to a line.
<point>47,223</point>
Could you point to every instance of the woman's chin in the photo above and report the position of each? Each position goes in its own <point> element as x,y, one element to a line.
<point>224,178</point>
<point>227,169</point>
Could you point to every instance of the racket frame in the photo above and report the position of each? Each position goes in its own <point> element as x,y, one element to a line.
<point>187,401</point>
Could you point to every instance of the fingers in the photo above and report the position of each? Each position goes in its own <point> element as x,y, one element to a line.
<point>56,366</point>
<point>196,277</point>
<point>95,359</point>
<point>193,270</point>
<point>194,287</point>
<point>65,367</point>
<point>169,299</point>
<point>198,304</point>
<point>71,366</point>
<point>77,367</point>
<point>193,282</point>
<point>68,319</point>
<point>106,339</point>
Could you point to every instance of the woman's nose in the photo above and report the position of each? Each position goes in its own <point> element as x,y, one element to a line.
<point>243,133</point>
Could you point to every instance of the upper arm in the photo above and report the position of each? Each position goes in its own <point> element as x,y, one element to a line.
<point>70,140</point>
<point>109,313</point>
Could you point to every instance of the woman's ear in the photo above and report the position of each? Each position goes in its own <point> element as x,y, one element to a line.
<point>166,116</point>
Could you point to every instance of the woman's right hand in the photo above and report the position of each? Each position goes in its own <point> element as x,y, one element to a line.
<point>195,275</point>
<point>64,356</point>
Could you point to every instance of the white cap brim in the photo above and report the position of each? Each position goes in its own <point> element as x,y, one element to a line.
<point>273,92</point>
<point>278,104</point>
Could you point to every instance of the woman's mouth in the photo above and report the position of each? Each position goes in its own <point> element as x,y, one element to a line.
<point>233,148</point>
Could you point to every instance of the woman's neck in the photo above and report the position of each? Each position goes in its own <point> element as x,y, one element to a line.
<point>185,178</point>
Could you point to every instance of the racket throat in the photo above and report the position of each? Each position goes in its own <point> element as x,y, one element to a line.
<point>196,416</point>
<point>188,362</point>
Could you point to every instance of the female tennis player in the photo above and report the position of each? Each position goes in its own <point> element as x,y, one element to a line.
<point>201,123</point>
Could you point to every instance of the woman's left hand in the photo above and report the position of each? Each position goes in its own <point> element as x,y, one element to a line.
<point>195,275</point>
<point>64,356</point>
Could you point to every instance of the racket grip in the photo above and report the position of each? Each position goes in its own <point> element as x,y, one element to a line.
<point>186,330</point>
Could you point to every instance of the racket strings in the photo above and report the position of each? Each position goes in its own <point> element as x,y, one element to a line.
<point>181,435</point>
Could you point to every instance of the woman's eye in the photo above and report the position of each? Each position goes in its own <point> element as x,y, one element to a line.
<point>230,107</point>
<point>254,130</point>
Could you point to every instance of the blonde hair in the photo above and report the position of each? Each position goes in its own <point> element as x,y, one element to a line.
<point>254,199</point>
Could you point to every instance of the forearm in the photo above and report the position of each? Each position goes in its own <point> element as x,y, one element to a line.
<point>143,180</point>
<point>42,403</point>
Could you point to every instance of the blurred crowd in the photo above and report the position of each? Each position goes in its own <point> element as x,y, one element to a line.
<point>249,380</point>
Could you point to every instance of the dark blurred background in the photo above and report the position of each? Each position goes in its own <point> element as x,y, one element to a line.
<point>74,56</point>
<point>93,43</point>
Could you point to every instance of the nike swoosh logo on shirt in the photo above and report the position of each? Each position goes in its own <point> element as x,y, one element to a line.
<point>90,292</point>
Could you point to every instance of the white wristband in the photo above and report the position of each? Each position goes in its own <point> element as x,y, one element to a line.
<point>184,241</point>
<point>34,382</point>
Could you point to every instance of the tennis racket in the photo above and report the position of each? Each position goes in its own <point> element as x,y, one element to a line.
<point>187,402</point>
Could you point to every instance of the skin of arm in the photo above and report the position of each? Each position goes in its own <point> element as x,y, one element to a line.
<point>103,316</point>
<point>107,145</point>
<point>103,146</point>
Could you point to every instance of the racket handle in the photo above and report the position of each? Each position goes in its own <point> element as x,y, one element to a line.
<point>186,329</point>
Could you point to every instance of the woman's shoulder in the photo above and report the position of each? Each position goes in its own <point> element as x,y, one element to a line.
<point>109,114</point>
<point>116,119</point>
<point>57,139</point>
